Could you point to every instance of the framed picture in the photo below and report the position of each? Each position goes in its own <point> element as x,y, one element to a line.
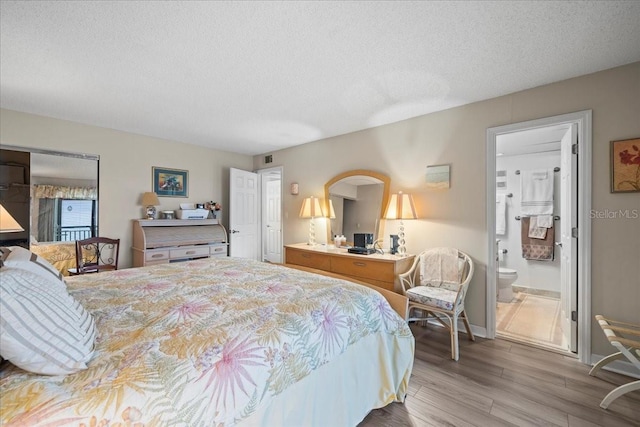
<point>170,182</point>
<point>438,176</point>
<point>625,166</point>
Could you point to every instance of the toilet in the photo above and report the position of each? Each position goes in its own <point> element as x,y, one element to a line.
<point>506,277</point>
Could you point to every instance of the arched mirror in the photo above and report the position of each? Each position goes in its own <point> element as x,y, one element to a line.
<point>359,198</point>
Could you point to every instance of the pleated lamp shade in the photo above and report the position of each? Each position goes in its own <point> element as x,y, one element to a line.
<point>401,207</point>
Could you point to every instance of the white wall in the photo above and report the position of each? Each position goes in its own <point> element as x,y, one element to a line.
<point>543,275</point>
<point>125,167</point>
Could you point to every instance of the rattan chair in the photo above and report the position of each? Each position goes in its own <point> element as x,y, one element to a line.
<point>436,286</point>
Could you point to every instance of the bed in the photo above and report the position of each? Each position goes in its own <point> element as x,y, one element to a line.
<point>222,341</point>
<point>62,255</point>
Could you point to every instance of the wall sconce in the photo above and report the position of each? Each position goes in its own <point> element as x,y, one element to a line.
<point>401,207</point>
<point>311,209</point>
<point>150,201</point>
<point>294,188</point>
<point>8,224</point>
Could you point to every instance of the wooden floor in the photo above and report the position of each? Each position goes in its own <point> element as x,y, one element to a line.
<point>501,383</point>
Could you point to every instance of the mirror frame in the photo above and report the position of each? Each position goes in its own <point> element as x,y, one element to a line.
<point>386,181</point>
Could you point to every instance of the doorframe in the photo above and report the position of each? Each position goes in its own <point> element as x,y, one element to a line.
<point>583,120</point>
<point>261,207</point>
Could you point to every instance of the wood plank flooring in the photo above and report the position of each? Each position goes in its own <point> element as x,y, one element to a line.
<point>502,383</point>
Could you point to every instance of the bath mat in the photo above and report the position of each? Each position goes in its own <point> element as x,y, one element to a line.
<point>531,317</point>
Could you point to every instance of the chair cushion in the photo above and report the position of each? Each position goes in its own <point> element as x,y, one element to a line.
<point>440,297</point>
<point>19,257</point>
<point>43,329</point>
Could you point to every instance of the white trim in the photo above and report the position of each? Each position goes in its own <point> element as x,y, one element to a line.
<point>583,121</point>
<point>261,173</point>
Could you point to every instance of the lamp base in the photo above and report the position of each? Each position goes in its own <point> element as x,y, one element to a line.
<point>151,212</point>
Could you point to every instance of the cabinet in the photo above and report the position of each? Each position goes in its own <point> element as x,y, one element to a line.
<point>379,270</point>
<point>165,240</point>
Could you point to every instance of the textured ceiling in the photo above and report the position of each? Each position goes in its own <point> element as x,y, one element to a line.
<point>253,77</point>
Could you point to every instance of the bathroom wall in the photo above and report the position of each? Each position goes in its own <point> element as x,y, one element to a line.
<point>543,275</point>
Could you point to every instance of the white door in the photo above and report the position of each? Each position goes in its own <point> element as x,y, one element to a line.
<point>243,214</point>
<point>272,216</point>
<point>568,245</point>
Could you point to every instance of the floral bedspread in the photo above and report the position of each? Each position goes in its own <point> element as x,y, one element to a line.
<point>204,342</point>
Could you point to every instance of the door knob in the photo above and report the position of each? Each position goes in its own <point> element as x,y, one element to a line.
<point>235,231</point>
<point>559,244</point>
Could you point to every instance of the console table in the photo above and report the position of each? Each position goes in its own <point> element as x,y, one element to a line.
<point>377,269</point>
<point>160,241</point>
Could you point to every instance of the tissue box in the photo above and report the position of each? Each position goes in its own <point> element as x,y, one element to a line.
<point>192,213</point>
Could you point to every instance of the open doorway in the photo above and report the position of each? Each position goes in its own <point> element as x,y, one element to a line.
<point>536,272</point>
<point>271,214</point>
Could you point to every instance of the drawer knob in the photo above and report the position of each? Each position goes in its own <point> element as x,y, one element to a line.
<point>306,256</point>
<point>157,255</point>
<point>190,252</point>
<point>360,264</point>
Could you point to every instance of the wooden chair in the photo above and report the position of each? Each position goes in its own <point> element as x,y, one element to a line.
<point>436,286</point>
<point>617,333</point>
<point>96,254</point>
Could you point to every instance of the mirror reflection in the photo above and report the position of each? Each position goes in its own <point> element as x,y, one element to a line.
<point>358,198</point>
<point>54,198</point>
<point>65,198</point>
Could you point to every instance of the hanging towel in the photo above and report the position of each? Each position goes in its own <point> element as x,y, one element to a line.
<point>501,214</point>
<point>535,230</point>
<point>545,221</point>
<point>541,250</point>
<point>438,266</point>
<point>536,188</point>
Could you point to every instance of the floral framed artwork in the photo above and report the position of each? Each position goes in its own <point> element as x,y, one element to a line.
<point>170,182</point>
<point>625,166</point>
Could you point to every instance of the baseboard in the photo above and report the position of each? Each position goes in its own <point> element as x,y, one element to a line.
<point>478,331</point>
<point>618,366</point>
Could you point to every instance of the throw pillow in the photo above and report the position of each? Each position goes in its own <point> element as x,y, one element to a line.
<point>43,329</point>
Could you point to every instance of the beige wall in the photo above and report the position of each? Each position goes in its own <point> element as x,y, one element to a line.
<point>402,150</point>
<point>125,167</point>
<point>456,217</point>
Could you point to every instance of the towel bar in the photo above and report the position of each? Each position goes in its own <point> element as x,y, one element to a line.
<point>556,169</point>
<point>555,217</point>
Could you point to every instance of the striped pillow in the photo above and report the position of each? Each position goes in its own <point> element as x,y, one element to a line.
<point>43,329</point>
<point>19,257</point>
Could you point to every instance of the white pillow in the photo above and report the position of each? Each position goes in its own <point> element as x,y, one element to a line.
<point>43,329</point>
<point>19,257</point>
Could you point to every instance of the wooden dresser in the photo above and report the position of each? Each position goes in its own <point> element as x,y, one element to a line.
<point>379,270</point>
<point>160,241</point>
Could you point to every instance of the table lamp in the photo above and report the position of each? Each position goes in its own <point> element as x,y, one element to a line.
<point>8,224</point>
<point>150,201</point>
<point>311,209</point>
<point>401,207</point>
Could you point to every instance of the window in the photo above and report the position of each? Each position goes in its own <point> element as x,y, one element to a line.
<point>76,220</point>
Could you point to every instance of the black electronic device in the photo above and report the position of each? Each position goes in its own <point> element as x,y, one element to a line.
<point>361,251</point>
<point>363,240</point>
<point>394,244</point>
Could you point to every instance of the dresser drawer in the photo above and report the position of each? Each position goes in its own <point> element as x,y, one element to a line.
<point>189,252</point>
<point>360,267</point>
<point>218,250</point>
<point>152,256</point>
<point>308,259</point>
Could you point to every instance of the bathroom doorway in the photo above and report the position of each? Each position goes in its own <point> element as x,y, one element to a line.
<point>538,247</point>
